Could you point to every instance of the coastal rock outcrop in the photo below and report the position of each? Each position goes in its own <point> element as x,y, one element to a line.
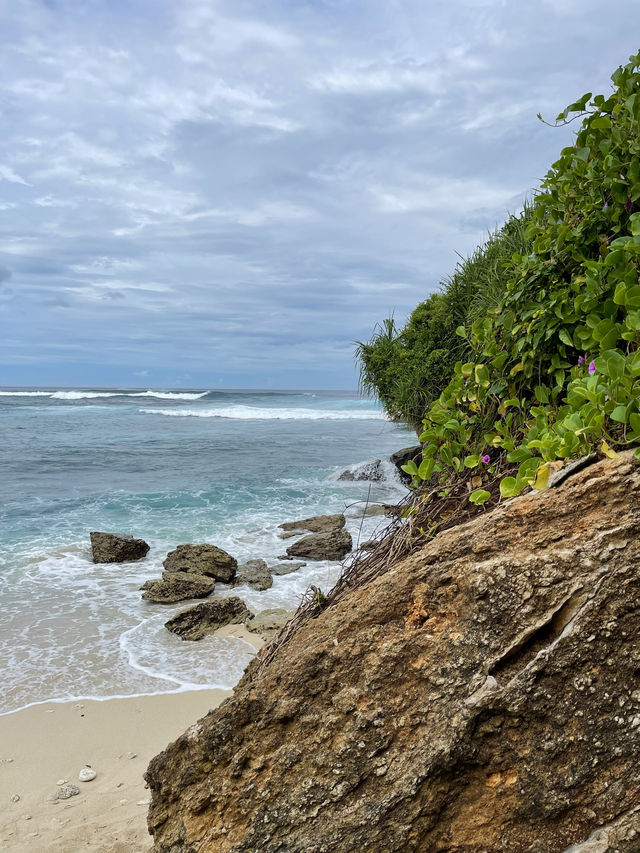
<point>116,547</point>
<point>207,618</point>
<point>316,523</point>
<point>268,623</point>
<point>208,560</point>
<point>177,586</point>
<point>254,573</point>
<point>407,454</point>
<point>481,696</point>
<point>286,568</point>
<point>322,546</point>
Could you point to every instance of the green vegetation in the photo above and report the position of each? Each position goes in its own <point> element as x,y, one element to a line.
<point>408,369</point>
<point>553,369</point>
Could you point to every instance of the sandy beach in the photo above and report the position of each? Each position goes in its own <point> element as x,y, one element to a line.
<point>45,744</point>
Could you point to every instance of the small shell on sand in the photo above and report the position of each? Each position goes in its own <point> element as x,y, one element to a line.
<point>87,774</point>
<point>62,781</point>
<point>15,798</point>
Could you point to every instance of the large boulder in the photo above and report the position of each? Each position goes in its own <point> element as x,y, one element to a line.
<point>407,454</point>
<point>207,618</point>
<point>177,586</point>
<point>322,546</point>
<point>316,523</point>
<point>268,623</point>
<point>481,696</point>
<point>116,547</point>
<point>205,560</point>
<point>254,573</point>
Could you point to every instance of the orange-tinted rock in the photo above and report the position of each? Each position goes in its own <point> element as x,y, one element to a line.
<point>482,696</point>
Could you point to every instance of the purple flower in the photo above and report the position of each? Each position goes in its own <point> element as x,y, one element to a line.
<point>486,459</point>
<point>606,205</point>
<point>592,367</point>
<point>582,359</point>
<point>629,204</point>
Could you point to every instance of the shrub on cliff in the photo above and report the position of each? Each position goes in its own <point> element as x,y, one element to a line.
<point>408,369</point>
<point>557,370</point>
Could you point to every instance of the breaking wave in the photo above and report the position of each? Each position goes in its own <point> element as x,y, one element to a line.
<point>247,413</point>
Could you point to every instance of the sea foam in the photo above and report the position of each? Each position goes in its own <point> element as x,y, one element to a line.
<point>93,395</point>
<point>247,413</point>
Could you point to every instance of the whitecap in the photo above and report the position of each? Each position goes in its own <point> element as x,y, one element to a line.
<point>169,395</point>
<point>83,395</point>
<point>25,393</point>
<point>247,413</point>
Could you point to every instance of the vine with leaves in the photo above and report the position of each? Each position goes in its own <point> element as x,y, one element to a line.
<point>556,369</point>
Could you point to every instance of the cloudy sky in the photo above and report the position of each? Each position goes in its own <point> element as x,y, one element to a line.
<point>228,193</point>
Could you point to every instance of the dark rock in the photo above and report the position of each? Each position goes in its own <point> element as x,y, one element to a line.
<point>286,569</point>
<point>322,546</point>
<point>268,623</point>
<point>407,454</point>
<point>202,560</point>
<point>116,548</point>
<point>254,573</point>
<point>368,510</point>
<point>207,618</point>
<point>177,586</point>
<point>316,524</point>
<point>482,697</point>
<point>372,471</point>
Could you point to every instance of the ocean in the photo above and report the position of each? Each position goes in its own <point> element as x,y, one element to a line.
<point>171,467</point>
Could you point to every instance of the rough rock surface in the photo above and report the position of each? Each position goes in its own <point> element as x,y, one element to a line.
<point>177,586</point>
<point>268,623</point>
<point>372,471</point>
<point>205,618</point>
<point>285,568</point>
<point>367,510</point>
<point>316,524</point>
<point>407,454</point>
<point>482,696</point>
<point>254,573</point>
<point>116,547</point>
<point>322,546</point>
<point>206,560</point>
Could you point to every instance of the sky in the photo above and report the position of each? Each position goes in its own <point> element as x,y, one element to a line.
<point>229,193</point>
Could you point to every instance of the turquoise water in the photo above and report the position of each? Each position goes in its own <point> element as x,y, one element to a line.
<point>224,467</point>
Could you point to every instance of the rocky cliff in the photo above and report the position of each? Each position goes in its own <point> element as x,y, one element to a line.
<point>483,695</point>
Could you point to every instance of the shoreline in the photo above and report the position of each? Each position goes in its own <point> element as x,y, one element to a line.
<point>46,743</point>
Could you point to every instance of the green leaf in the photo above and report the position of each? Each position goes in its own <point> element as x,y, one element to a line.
<point>509,487</point>
<point>410,468</point>
<point>520,454</point>
<point>565,337</point>
<point>619,414</point>
<point>482,375</point>
<point>461,332</point>
<point>479,496</point>
<point>472,461</point>
<point>425,470</point>
<point>541,393</point>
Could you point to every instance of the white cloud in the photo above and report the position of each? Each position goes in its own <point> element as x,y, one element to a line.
<point>8,174</point>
